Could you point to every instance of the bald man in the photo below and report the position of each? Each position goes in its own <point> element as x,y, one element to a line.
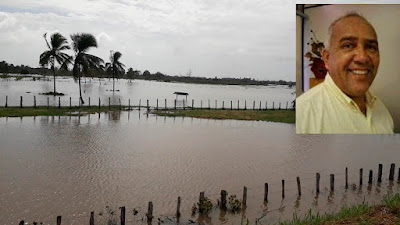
<point>343,102</point>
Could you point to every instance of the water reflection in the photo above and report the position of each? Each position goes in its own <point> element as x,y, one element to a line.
<point>126,158</point>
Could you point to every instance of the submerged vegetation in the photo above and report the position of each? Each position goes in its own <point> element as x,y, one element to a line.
<point>54,111</point>
<point>284,116</point>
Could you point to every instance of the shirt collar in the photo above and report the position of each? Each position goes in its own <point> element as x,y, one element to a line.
<point>342,96</point>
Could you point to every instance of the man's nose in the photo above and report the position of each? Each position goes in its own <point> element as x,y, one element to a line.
<point>361,55</point>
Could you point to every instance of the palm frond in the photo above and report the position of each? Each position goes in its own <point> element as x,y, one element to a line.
<point>83,41</point>
<point>44,58</point>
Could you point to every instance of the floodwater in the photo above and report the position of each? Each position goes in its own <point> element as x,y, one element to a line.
<point>140,90</point>
<point>70,166</point>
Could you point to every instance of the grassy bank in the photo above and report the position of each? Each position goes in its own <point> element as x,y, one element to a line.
<point>53,111</point>
<point>284,116</point>
<point>386,213</point>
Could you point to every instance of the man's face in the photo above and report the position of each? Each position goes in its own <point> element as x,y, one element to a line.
<point>353,56</point>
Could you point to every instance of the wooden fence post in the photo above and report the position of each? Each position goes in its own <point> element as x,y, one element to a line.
<point>123,215</point>
<point>380,173</point>
<point>148,108</point>
<point>361,176</point>
<point>347,178</point>
<point>7,105</point>
<point>286,104</point>
<point>370,177</point>
<point>89,101</point>
<point>140,101</point>
<point>254,105</point>
<point>99,103</point>
<point>266,105</point>
<point>192,103</point>
<point>58,220</point>
<point>20,104</point>
<point>238,105</point>
<point>391,174</point>
<point>175,104</point>
<point>109,103</point>
<point>244,195</point>
<point>215,104</point>
<point>273,105</point>
<point>70,102</point>
<point>260,106</point>
<point>59,102</point>
<point>283,188</point>
<point>119,101</point>
<point>332,182</point>
<point>209,104</point>
<point>231,105</point>
<point>318,176</point>
<point>245,105</point>
<point>34,101</point>
<point>150,212</point>
<point>223,105</point>
<point>129,104</point>
<point>279,105</point>
<point>298,185</point>
<point>266,192</point>
<point>48,102</point>
<point>201,202</point>
<point>223,199</point>
<point>178,208</point>
<point>157,104</point>
<point>91,221</point>
<point>201,104</point>
<point>398,178</point>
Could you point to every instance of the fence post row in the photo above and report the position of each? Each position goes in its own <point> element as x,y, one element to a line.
<point>223,202</point>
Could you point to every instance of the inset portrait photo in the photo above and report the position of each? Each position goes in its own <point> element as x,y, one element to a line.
<point>347,73</point>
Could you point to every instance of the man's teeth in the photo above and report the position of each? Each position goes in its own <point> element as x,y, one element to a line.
<point>359,72</point>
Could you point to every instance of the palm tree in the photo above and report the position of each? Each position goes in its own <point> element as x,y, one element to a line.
<point>81,43</point>
<point>57,44</point>
<point>115,66</point>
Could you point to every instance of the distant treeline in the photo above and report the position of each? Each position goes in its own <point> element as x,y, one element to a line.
<point>6,68</point>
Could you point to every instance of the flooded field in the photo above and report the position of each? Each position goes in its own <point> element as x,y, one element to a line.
<point>140,90</point>
<point>70,166</point>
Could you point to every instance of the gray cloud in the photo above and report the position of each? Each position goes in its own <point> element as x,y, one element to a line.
<point>212,38</point>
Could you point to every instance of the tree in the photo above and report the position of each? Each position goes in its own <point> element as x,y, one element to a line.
<point>81,43</point>
<point>130,74</point>
<point>146,73</point>
<point>115,66</point>
<point>57,44</point>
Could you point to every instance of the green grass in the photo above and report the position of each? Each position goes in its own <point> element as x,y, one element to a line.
<point>54,111</point>
<point>357,214</point>
<point>284,116</point>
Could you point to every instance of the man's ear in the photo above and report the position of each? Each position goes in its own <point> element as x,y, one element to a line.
<point>325,57</point>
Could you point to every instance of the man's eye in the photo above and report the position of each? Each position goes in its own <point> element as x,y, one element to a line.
<point>348,46</point>
<point>372,47</point>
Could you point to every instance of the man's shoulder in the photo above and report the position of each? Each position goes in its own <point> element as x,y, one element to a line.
<point>312,95</point>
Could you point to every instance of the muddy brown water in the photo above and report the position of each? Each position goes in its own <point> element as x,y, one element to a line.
<point>70,166</point>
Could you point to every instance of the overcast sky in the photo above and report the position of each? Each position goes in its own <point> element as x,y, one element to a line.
<point>224,38</point>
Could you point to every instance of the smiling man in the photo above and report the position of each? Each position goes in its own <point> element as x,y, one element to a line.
<point>343,102</point>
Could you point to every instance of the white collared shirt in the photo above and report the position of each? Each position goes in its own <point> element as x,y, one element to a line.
<point>325,109</point>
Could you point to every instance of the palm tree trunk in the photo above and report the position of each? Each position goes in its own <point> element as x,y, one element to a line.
<point>54,75</point>
<point>80,91</point>
<point>113,79</point>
